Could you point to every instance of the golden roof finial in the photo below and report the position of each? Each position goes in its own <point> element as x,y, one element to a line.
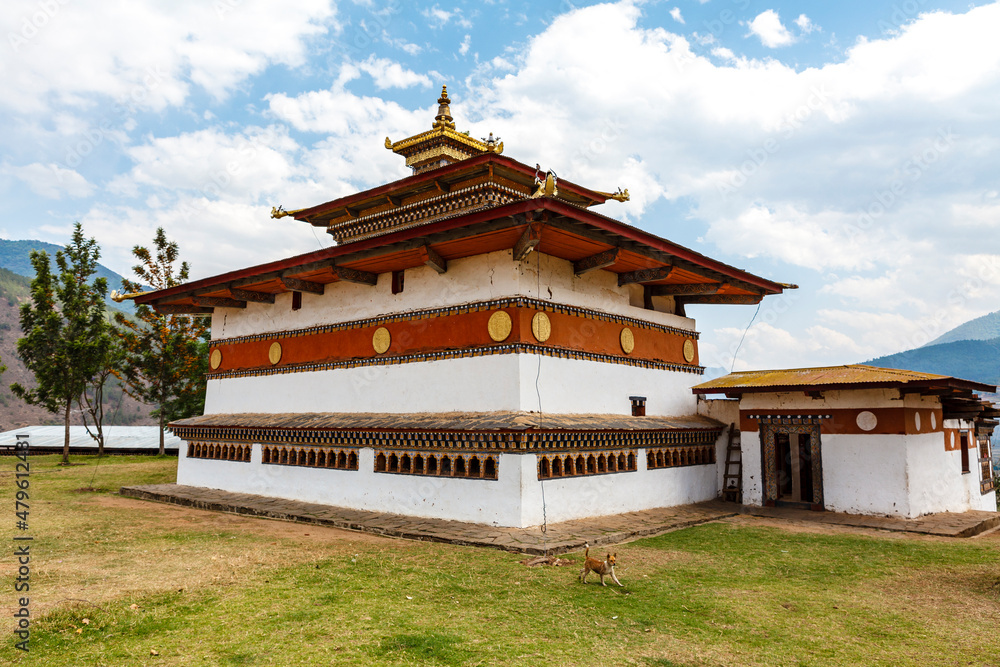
<point>443,117</point>
<point>118,297</point>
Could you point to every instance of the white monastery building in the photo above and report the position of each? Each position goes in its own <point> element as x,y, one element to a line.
<point>481,345</point>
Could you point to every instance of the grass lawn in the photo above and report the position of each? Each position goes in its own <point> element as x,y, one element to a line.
<point>117,581</point>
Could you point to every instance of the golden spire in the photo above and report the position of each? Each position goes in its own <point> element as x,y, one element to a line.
<point>444,119</point>
<point>442,144</point>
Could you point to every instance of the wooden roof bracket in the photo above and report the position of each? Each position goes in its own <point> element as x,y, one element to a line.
<point>531,237</point>
<point>297,285</point>
<point>686,289</point>
<point>431,258</point>
<point>731,299</point>
<point>247,295</point>
<point>644,275</point>
<point>601,260</point>
<point>180,309</point>
<point>355,276</point>
<point>218,302</point>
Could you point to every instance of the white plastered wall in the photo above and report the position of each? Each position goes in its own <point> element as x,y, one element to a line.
<point>515,499</point>
<point>492,383</point>
<point>472,279</point>
<point>867,474</point>
<point>879,474</point>
<point>598,495</point>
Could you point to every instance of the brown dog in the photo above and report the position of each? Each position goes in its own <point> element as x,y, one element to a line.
<point>600,567</point>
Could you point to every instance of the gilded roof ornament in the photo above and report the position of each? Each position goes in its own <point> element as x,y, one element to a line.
<point>279,212</point>
<point>118,297</point>
<point>620,195</point>
<point>548,186</point>
<point>493,145</point>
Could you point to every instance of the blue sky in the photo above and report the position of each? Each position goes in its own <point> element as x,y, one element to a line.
<point>850,148</point>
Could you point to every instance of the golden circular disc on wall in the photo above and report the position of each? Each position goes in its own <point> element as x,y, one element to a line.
<point>381,340</point>
<point>216,359</point>
<point>689,350</point>
<point>500,325</point>
<point>627,340</point>
<point>274,353</point>
<point>541,327</point>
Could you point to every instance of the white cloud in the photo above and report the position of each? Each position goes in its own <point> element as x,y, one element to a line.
<point>245,167</point>
<point>464,46</point>
<point>389,74</point>
<point>768,27</point>
<point>872,167</point>
<point>148,55</point>
<point>805,24</point>
<point>765,346</point>
<point>51,180</point>
<point>438,17</point>
<point>675,13</point>
<point>805,154</point>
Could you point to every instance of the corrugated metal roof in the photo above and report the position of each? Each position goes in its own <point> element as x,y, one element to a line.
<point>115,437</point>
<point>859,375</point>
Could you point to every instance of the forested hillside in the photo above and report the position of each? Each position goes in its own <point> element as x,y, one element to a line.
<point>15,290</point>
<point>977,360</point>
<point>986,327</point>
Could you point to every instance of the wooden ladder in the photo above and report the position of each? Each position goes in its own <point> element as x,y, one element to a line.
<point>732,482</point>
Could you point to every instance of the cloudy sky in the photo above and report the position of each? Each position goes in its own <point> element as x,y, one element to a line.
<point>851,148</point>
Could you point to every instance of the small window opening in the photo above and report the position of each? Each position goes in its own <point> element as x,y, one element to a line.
<point>296,300</point>
<point>397,282</point>
<point>638,406</point>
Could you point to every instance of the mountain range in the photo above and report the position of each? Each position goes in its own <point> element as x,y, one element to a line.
<point>15,256</point>
<point>970,351</point>
<point>16,273</point>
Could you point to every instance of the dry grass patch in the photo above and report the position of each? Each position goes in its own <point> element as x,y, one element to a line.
<point>204,588</point>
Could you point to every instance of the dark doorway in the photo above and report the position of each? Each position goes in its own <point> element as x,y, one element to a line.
<point>792,467</point>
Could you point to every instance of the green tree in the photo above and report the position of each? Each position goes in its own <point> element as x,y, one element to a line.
<point>64,341</point>
<point>164,357</point>
<point>91,401</point>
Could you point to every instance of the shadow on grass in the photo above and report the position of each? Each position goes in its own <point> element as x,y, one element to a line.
<point>430,647</point>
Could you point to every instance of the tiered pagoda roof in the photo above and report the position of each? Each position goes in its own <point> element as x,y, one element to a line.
<point>464,199</point>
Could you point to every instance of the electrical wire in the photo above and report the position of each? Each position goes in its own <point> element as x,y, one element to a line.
<point>744,336</point>
<point>538,393</point>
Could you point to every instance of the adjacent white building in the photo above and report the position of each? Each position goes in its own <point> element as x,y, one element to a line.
<point>861,440</point>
